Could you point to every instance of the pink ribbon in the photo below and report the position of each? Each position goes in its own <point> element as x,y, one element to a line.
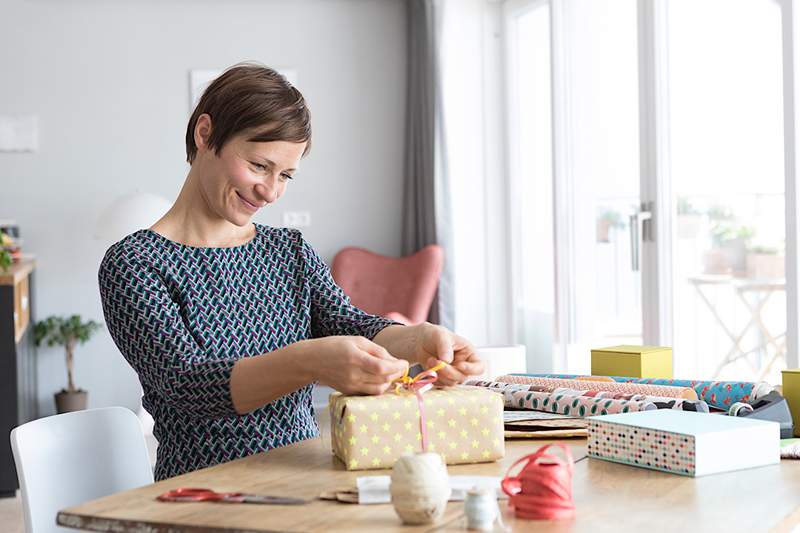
<point>420,384</point>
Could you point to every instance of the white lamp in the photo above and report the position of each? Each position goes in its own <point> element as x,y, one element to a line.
<point>501,360</point>
<point>129,213</point>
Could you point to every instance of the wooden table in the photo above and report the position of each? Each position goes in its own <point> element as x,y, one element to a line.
<point>608,497</point>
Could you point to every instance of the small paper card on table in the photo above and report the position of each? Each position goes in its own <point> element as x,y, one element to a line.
<point>463,424</point>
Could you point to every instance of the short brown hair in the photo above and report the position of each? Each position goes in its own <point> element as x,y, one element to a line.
<point>251,98</point>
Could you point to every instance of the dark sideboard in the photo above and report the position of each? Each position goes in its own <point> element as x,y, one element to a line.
<point>17,363</point>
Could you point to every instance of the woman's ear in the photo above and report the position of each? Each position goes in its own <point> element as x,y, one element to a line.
<point>202,131</point>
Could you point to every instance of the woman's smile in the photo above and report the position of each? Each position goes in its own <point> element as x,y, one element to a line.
<point>248,205</point>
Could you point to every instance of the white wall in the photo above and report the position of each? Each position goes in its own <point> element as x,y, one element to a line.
<point>109,82</point>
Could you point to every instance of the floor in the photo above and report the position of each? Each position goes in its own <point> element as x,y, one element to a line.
<point>11,515</point>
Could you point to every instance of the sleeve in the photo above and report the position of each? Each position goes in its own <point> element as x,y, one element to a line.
<point>149,331</point>
<point>331,310</point>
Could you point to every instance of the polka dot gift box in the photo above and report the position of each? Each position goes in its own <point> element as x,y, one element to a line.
<point>684,442</point>
<point>463,425</point>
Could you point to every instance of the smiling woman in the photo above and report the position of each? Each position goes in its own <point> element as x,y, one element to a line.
<point>228,323</point>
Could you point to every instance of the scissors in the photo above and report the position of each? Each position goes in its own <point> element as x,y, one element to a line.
<point>208,495</point>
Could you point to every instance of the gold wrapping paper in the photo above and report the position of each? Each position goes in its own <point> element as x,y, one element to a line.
<point>464,425</point>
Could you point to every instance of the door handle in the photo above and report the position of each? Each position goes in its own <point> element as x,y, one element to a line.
<point>640,230</point>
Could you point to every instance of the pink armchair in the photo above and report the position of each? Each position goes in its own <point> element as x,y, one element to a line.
<point>399,288</point>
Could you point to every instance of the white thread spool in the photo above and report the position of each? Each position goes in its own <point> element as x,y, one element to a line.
<point>420,488</point>
<point>481,510</point>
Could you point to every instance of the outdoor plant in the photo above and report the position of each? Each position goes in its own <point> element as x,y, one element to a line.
<point>68,332</point>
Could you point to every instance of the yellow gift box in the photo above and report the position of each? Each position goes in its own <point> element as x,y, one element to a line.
<point>791,391</point>
<point>633,361</point>
<point>464,425</point>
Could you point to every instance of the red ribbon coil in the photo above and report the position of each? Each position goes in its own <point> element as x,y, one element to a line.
<point>542,490</point>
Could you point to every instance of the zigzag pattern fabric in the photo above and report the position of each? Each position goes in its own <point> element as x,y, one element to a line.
<point>182,316</point>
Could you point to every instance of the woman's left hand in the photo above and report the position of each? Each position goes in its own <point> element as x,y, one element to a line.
<point>436,343</point>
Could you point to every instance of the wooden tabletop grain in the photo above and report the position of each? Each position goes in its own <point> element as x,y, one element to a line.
<point>608,497</point>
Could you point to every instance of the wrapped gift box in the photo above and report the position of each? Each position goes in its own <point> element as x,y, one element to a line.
<point>684,442</point>
<point>464,425</point>
<point>633,361</point>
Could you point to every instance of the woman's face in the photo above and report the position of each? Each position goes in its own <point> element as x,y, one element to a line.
<point>246,176</point>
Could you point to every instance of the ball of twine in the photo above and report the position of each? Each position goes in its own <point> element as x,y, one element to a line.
<point>419,488</point>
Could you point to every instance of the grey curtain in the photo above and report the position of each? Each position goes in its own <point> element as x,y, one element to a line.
<point>426,209</point>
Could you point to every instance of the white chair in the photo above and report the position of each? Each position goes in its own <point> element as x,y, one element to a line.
<point>68,459</point>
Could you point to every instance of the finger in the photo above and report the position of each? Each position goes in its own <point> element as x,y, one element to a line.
<point>443,344</point>
<point>374,390</point>
<point>470,368</point>
<point>382,367</point>
<point>374,348</point>
<point>448,373</point>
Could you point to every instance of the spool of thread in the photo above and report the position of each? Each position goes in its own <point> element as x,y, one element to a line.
<point>481,510</point>
<point>739,408</point>
<point>420,488</point>
<point>542,490</point>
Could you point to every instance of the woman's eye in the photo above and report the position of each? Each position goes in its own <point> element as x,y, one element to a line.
<point>259,167</point>
<point>286,176</point>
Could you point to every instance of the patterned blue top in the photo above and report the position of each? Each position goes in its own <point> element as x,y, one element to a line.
<point>182,316</point>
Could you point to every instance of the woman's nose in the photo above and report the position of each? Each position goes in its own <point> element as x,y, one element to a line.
<point>268,192</point>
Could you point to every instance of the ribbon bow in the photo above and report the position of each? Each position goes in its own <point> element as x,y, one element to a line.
<point>420,384</point>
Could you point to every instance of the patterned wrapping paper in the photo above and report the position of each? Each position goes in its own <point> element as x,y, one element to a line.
<point>719,394</point>
<point>578,384</point>
<point>582,406</point>
<point>679,404</point>
<point>464,425</point>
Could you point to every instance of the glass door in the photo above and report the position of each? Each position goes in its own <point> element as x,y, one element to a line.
<point>727,168</point>
<point>574,169</point>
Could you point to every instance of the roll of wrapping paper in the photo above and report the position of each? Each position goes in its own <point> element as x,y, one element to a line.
<point>660,402</point>
<point>679,404</point>
<point>578,384</point>
<point>719,394</point>
<point>576,405</point>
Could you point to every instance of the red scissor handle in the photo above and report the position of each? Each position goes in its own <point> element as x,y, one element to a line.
<point>197,494</point>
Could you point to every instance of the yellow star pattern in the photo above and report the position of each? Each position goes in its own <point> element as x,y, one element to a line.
<point>469,427</point>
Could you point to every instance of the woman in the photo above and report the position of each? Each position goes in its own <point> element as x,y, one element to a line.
<point>228,323</point>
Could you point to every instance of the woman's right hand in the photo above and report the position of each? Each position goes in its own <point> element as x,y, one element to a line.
<point>353,365</point>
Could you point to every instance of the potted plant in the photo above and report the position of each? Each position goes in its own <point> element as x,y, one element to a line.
<point>765,262</point>
<point>67,332</point>
<point>607,220</point>
<point>6,259</point>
